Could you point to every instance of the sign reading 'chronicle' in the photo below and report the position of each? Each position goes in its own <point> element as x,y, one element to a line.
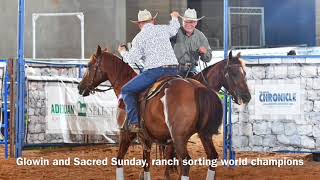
<point>277,99</point>
<point>68,112</point>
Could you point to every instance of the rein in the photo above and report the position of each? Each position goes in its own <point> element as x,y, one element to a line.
<point>230,79</point>
<point>98,69</point>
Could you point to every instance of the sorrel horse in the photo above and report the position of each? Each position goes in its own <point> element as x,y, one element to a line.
<point>230,74</point>
<point>180,109</point>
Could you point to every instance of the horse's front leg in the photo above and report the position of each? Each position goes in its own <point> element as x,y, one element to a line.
<point>206,140</point>
<point>125,140</point>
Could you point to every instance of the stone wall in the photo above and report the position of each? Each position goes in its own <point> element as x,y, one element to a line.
<point>280,132</point>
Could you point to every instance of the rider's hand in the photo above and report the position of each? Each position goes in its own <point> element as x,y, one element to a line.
<point>121,49</point>
<point>203,50</point>
<point>175,14</point>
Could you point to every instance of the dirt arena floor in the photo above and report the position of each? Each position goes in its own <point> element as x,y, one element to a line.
<point>10,170</point>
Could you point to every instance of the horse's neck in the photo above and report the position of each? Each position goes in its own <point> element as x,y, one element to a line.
<point>122,74</point>
<point>214,76</point>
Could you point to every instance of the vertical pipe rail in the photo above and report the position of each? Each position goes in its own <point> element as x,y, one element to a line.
<point>81,17</point>
<point>12,118</point>
<point>21,81</point>
<point>6,121</point>
<point>232,153</point>
<point>34,19</point>
<point>225,46</point>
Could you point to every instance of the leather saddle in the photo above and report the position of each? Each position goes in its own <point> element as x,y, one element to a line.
<point>152,91</point>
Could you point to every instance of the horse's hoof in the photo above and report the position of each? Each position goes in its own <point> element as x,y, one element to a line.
<point>141,175</point>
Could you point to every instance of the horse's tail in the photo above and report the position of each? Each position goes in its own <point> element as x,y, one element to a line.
<point>210,111</point>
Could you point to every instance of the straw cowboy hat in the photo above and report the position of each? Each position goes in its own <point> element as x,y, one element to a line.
<point>190,15</point>
<point>144,15</point>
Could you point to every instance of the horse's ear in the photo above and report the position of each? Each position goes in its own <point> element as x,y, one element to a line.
<point>230,55</point>
<point>98,53</point>
<point>239,55</point>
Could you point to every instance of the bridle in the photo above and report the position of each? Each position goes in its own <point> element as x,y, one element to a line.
<point>97,69</point>
<point>230,79</point>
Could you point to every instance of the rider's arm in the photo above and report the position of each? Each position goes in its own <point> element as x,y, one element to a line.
<point>134,54</point>
<point>174,24</point>
<point>173,27</point>
<point>204,43</point>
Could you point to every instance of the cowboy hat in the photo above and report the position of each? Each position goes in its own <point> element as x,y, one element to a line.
<point>190,15</point>
<point>144,15</point>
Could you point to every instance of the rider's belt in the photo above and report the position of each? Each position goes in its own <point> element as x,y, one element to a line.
<point>185,67</point>
<point>169,66</point>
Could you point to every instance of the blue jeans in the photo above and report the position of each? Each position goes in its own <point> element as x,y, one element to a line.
<point>131,90</point>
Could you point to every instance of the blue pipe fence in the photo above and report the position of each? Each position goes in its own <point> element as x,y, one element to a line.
<point>20,81</point>
<point>20,126</point>
<point>229,153</point>
<point>20,118</point>
<point>5,112</point>
<point>20,113</point>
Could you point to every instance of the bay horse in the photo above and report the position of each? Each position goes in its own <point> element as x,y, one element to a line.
<point>229,73</point>
<point>182,108</point>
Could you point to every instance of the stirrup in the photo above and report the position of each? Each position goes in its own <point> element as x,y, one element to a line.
<point>134,128</point>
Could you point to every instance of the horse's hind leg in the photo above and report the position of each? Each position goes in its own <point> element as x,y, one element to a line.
<point>182,152</point>
<point>211,154</point>
<point>169,153</point>
<point>125,140</point>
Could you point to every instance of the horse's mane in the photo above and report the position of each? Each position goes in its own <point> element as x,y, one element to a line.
<point>116,62</point>
<point>205,70</point>
<point>240,61</point>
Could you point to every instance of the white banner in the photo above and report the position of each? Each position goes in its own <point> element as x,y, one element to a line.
<point>282,99</point>
<point>68,112</point>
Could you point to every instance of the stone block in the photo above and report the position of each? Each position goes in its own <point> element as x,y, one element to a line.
<point>255,141</point>
<point>316,131</point>
<point>258,149</point>
<point>246,129</point>
<point>305,130</point>
<point>269,140</point>
<point>261,128</point>
<point>308,142</point>
<point>308,105</point>
<point>316,106</point>
<point>277,127</point>
<point>240,141</point>
<point>309,71</point>
<point>289,140</point>
<point>280,72</point>
<point>258,72</point>
<point>309,82</point>
<point>294,71</point>
<point>316,83</point>
<point>290,129</point>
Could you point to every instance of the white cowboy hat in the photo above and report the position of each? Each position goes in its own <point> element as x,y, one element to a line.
<point>144,15</point>
<point>190,15</point>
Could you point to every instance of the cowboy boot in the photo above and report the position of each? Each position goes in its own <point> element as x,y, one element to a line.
<point>134,128</point>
